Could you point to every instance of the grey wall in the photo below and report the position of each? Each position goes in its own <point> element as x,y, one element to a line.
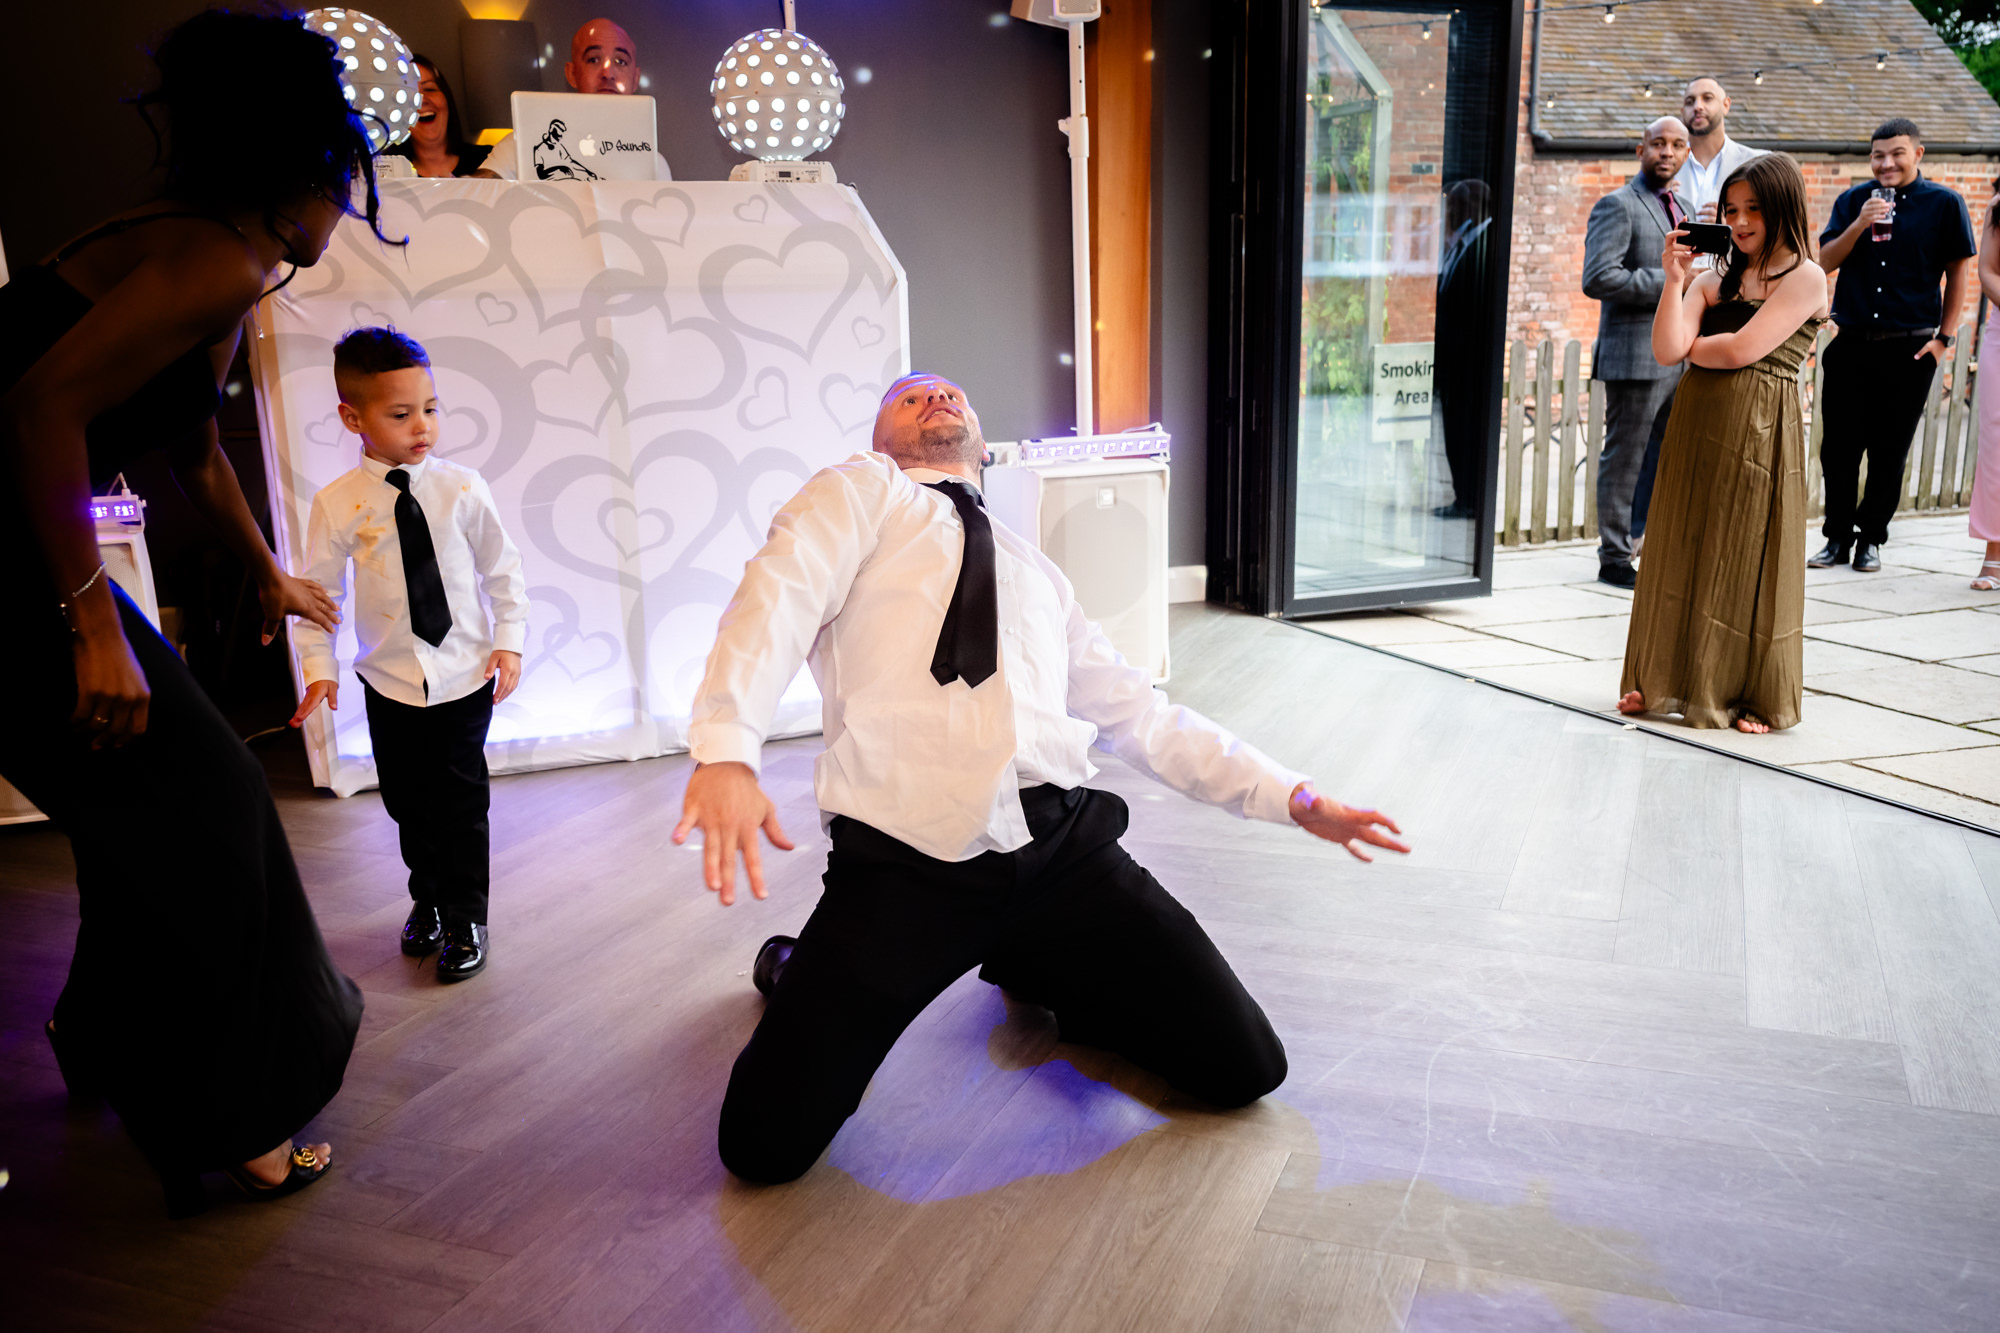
<point>952,143</point>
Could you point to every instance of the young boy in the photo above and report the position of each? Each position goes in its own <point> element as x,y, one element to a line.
<point>426,540</point>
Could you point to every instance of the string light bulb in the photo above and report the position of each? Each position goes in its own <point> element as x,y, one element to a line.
<point>1648,92</point>
<point>1881,59</point>
<point>1427,32</point>
<point>1759,78</point>
<point>1610,14</point>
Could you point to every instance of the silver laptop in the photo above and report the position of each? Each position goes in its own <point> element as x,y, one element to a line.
<point>585,137</point>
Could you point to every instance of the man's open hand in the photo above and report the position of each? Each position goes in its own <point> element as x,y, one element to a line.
<point>726,804</point>
<point>1324,817</point>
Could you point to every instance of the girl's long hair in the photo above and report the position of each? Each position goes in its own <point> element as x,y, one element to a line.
<point>227,147</point>
<point>1780,190</point>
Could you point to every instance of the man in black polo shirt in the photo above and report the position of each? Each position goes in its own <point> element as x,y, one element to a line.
<point>1892,334</point>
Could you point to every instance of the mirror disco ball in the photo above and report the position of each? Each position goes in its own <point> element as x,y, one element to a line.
<point>778,96</point>
<point>379,78</point>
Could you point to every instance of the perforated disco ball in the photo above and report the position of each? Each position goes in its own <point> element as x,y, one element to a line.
<point>379,77</point>
<point>778,96</point>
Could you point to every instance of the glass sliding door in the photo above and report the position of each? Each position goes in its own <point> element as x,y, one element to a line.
<point>1391,165</point>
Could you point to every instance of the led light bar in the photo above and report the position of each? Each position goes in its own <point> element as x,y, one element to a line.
<point>125,510</point>
<point>1152,442</point>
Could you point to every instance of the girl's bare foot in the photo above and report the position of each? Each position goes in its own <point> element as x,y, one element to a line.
<point>1752,725</point>
<point>275,1166</point>
<point>1632,704</point>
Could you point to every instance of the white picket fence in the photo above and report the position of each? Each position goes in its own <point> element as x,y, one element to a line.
<point>1553,433</point>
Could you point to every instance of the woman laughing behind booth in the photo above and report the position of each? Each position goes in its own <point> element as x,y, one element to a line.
<point>437,145</point>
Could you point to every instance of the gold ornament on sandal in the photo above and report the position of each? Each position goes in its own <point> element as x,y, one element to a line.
<point>303,1156</point>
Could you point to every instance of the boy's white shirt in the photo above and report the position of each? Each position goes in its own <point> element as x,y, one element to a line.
<point>354,518</point>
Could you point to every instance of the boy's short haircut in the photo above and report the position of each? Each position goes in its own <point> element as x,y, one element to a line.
<point>1895,127</point>
<point>370,351</point>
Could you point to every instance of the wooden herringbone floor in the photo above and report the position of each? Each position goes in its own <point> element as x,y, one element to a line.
<point>1642,1037</point>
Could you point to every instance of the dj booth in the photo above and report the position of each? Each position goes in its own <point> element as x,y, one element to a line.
<point>643,372</point>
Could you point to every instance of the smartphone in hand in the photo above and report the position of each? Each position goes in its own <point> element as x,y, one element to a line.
<point>1708,238</point>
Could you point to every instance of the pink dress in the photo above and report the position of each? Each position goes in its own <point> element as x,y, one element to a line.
<point>1984,518</point>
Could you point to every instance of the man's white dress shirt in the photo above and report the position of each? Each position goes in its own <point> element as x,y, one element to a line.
<point>1697,185</point>
<point>855,578</point>
<point>354,517</point>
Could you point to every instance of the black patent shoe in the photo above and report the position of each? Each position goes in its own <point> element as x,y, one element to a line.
<point>770,964</point>
<point>423,931</point>
<point>306,1169</point>
<point>1618,574</point>
<point>1867,558</point>
<point>1833,553</point>
<point>464,951</point>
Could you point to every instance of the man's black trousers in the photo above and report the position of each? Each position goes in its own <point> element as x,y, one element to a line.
<point>1875,392</point>
<point>1070,922</point>
<point>431,764</point>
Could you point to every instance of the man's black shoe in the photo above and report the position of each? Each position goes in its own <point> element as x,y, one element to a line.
<point>1833,553</point>
<point>771,960</point>
<point>1867,558</point>
<point>423,930</point>
<point>1618,574</point>
<point>464,951</point>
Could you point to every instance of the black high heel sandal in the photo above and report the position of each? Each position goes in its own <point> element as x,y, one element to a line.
<point>75,1074</point>
<point>306,1168</point>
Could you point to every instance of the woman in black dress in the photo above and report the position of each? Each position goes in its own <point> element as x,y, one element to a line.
<point>201,1002</point>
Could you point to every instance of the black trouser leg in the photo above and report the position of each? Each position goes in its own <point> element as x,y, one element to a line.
<point>1635,414</point>
<point>1874,398</point>
<point>1642,494</point>
<point>1070,921</point>
<point>431,766</point>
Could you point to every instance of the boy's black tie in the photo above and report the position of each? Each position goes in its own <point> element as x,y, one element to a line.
<point>969,643</point>
<point>430,613</point>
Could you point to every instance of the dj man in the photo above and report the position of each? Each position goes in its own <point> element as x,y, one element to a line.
<point>963,690</point>
<point>602,59</point>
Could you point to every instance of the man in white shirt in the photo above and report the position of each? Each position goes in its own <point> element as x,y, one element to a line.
<point>425,539</point>
<point>603,58</point>
<point>963,688</point>
<point>1712,154</point>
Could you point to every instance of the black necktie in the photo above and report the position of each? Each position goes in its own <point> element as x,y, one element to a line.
<point>969,643</point>
<point>430,613</point>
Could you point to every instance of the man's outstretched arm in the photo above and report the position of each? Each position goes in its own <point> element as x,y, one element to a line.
<point>1185,751</point>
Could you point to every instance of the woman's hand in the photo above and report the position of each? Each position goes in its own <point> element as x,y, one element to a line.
<point>282,595</point>
<point>1677,260</point>
<point>111,690</point>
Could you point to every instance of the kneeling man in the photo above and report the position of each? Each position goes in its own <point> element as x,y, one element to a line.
<point>963,690</point>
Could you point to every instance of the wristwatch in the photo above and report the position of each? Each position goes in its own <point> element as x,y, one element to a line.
<point>1950,340</point>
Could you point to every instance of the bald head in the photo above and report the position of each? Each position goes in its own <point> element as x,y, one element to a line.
<point>602,59</point>
<point>925,421</point>
<point>1663,151</point>
<point>1666,125</point>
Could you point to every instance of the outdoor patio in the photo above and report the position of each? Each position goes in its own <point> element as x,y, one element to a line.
<point>1902,667</point>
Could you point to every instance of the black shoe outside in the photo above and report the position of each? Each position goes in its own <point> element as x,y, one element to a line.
<point>1867,558</point>
<point>1833,553</point>
<point>464,951</point>
<point>423,931</point>
<point>1618,575</point>
<point>771,959</point>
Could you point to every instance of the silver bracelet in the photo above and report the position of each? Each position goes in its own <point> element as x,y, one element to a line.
<point>89,583</point>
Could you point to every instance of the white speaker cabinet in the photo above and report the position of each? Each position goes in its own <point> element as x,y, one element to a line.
<point>1104,524</point>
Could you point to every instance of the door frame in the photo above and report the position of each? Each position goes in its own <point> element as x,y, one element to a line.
<point>1257,218</point>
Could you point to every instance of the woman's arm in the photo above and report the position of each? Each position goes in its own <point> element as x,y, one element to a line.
<point>1989,254</point>
<point>151,318</point>
<point>207,479</point>
<point>1800,295</point>
<point>1677,318</point>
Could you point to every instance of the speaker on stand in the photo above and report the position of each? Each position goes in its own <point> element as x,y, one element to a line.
<point>1097,507</point>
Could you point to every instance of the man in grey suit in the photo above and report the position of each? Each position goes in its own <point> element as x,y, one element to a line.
<point>1621,270</point>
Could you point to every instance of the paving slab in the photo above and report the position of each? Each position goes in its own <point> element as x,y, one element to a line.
<point>1988,663</point>
<point>1909,560</point>
<point>1907,595</point>
<point>1931,637</point>
<point>1830,728</point>
<point>1389,631</point>
<point>1525,605</point>
<point>1926,689</point>
<point>1968,772</point>
<point>1823,657</point>
<point>1554,568</point>
<point>1833,613</point>
<point>1592,685</point>
<point>1487,651</point>
<point>1982,813</point>
<point>1599,638</point>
